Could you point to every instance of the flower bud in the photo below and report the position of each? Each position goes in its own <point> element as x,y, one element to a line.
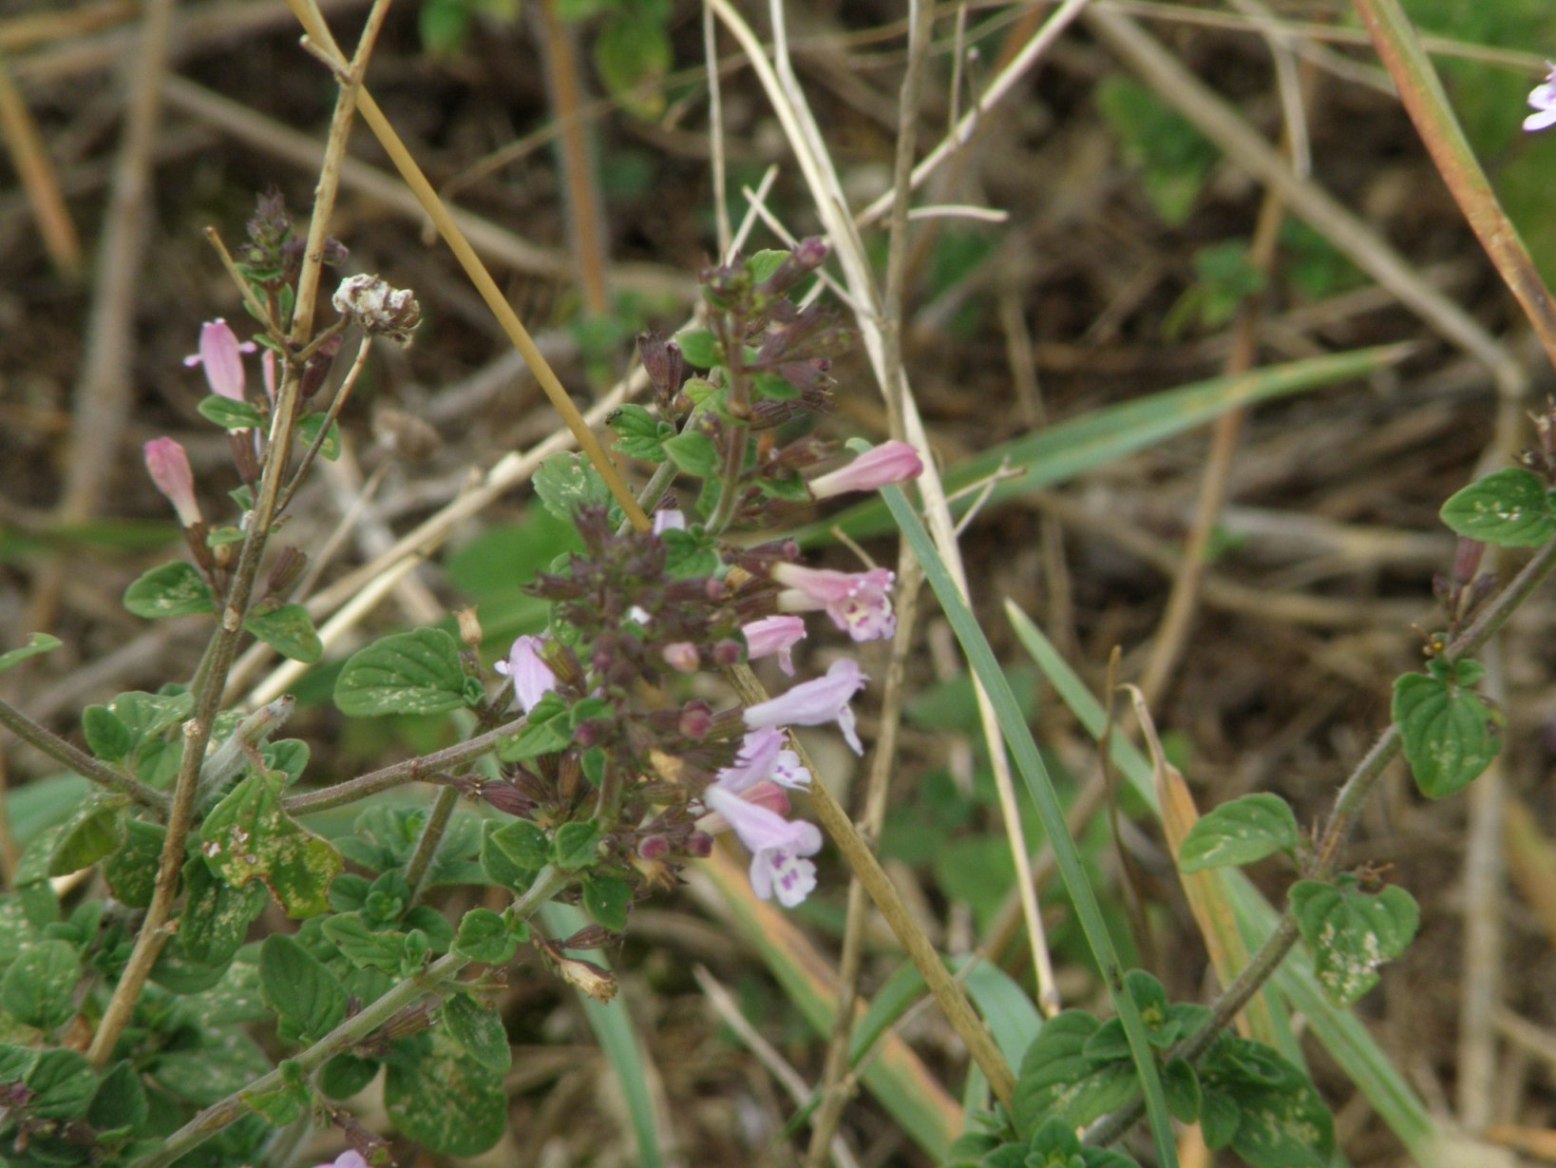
<point>169,468</point>
<point>221,356</point>
<point>890,462</point>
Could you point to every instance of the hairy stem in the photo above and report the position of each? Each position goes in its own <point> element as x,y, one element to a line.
<point>79,760</point>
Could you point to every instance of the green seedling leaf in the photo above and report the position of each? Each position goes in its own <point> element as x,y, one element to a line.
<point>524,843</point>
<point>446,1100</point>
<point>479,1030</point>
<point>288,630</point>
<point>1181,1084</point>
<point>605,899</point>
<point>1510,508</point>
<point>548,729</point>
<point>107,737</point>
<point>1058,1079</point>
<point>96,830</point>
<point>576,846</point>
<point>65,1084</point>
<point>39,986</point>
<point>700,348</point>
<point>248,836</point>
<point>37,644</point>
<point>1240,832</point>
<point>1450,735</point>
<point>1352,933</point>
<point>230,415</point>
<point>297,986</point>
<point>171,590</point>
<point>132,872</point>
<point>501,865</point>
<point>408,673</point>
<point>695,454</point>
<point>765,263</point>
<point>484,936</point>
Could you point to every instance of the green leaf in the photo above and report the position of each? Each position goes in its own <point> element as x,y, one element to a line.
<point>605,899</point>
<point>65,1084</point>
<point>39,986</point>
<point>763,264</point>
<point>1181,1084</point>
<point>577,845</point>
<point>1351,933</point>
<point>1239,832</point>
<point>248,836</point>
<point>484,936</point>
<point>96,830</point>
<point>37,644</point>
<point>225,1063</point>
<point>700,348</point>
<point>1058,1079</point>
<point>107,737</point>
<point>288,630</point>
<point>171,590</point>
<point>547,730</point>
<point>1510,508</point>
<point>408,673</point>
<point>690,555</point>
<point>1450,735</point>
<point>120,1101</point>
<point>639,434</point>
<point>1264,1106</point>
<point>282,1105</point>
<point>524,843</point>
<point>479,1030</point>
<point>565,482</point>
<point>132,872</point>
<point>295,984</point>
<point>346,1074</point>
<point>216,917</point>
<point>694,453</point>
<point>364,947</point>
<point>446,1100</point>
<point>308,433</point>
<point>632,54</point>
<point>229,414</point>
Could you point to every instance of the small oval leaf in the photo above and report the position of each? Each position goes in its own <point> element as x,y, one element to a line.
<point>1510,508</point>
<point>1450,735</point>
<point>1240,832</point>
<point>408,673</point>
<point>171,590</point>
<point>1351,933</point>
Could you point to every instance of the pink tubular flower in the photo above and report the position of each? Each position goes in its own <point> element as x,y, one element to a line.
<point>890,462</point>
<point>532,677</point>
<point>776,845</point>
<point>169,467</point>
<point>762,756</point>
<point>774,634</point>
<point>1542,98</point>
<point>669,520</point>
<point>858,602</point>
<point>221,355</point>
<point>812,703</point>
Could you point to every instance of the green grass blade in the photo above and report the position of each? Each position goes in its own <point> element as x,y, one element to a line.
<point>1063,451</point>
<point>612,1026</point>
<point>1346,1039</point>
<point>1023,749</point>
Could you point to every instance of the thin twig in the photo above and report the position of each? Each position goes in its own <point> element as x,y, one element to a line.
<point>83,764</point>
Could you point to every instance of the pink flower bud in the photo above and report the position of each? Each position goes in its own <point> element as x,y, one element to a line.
<point>890,462</point>
<point>532,677</point>
<point>169,467</point>
<point>221,356</point>
<point>774,635</point>
<point>681,656</point>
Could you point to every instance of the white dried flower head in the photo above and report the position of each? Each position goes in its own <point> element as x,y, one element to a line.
<point>380,309</point>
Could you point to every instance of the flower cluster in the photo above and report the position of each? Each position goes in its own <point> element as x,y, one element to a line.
<point>637,609</point>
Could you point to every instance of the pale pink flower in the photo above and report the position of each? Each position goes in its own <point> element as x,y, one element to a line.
<point>668,520</point>
<point>1542,98</point>
<point>859,603</point>
<point>169,467</point>
<point>774,634</point>
<point>532,677</point>
<point>221,356</point>
<point>351,1158</point>
<point>890,462</point>
<point>763,757</point>
<point>815,702</point>
<point>776,844</point>
<point>681,656</point>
